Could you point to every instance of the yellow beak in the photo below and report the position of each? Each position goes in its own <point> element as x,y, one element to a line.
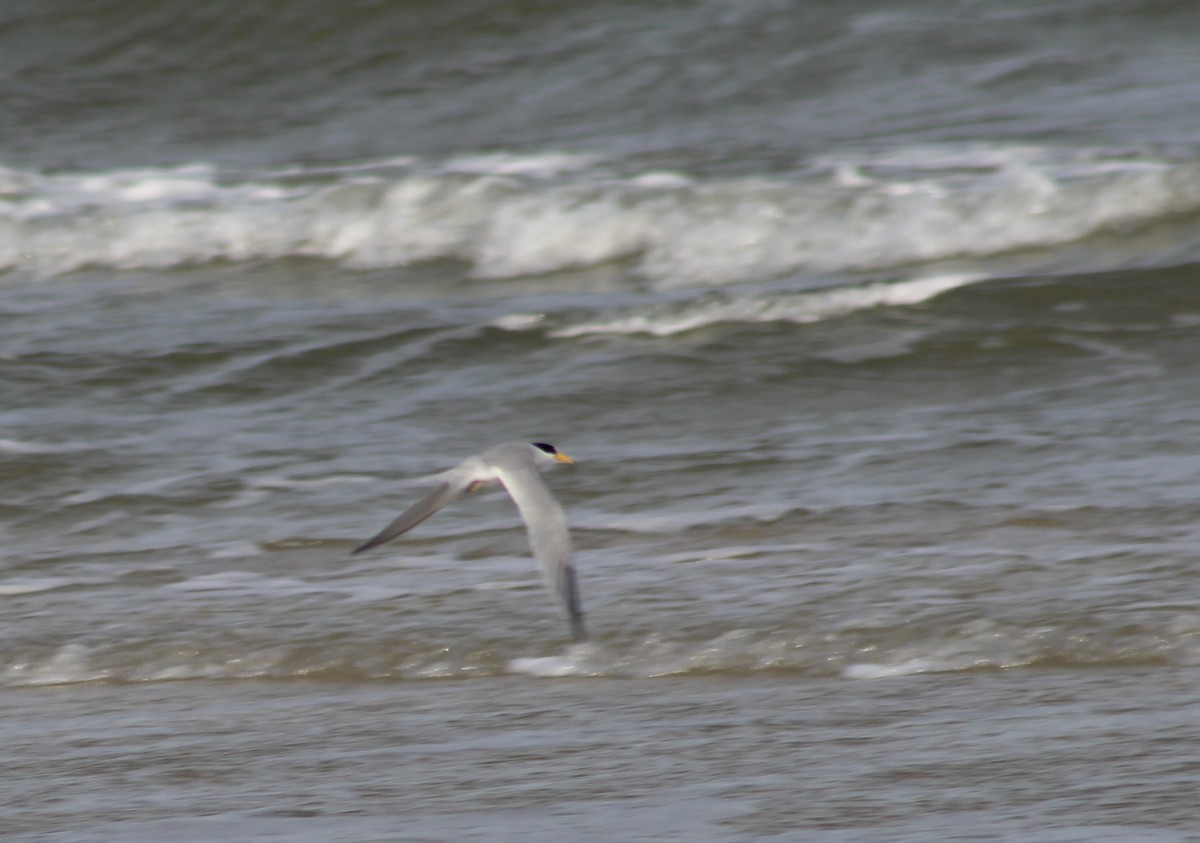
<point>561,457</point>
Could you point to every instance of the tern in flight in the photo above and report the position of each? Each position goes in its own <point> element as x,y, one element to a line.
<point>516,466</point>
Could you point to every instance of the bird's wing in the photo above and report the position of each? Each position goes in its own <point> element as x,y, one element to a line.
<point>417,513</point>
<point>546,525</point>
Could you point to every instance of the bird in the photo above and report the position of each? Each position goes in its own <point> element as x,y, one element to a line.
<point>516,466</point>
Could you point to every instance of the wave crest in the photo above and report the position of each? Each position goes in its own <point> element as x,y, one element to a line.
<point>507,216</point>
<point>862,653</point>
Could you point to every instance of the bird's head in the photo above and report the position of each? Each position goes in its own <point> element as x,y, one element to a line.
<point>546,454</point>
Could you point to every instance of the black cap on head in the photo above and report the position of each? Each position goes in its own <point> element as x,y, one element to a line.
<point>545,446</point>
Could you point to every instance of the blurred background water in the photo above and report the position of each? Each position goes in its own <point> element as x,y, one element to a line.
<point>872,329</point>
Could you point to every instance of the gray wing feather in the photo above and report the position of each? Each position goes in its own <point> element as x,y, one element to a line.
<point>414,515</point>
<point>574,604</point>
<point>549,537</point>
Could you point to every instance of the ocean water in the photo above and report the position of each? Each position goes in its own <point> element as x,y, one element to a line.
<point>873,332</point>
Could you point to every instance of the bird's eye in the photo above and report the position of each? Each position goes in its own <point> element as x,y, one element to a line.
<point>542,446</point>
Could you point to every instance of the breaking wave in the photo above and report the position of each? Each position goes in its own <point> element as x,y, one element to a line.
<point>506,215</point>
<point>795,306</point>
<point>850,654</point>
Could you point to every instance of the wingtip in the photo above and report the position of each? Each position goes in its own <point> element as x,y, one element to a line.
<point>367,545</point>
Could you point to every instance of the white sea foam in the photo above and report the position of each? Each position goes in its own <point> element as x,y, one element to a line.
<point>234,550</point>
<point>675,522</point>
<point>578,660</point>
<point>20,446</point>
<point>314,483</point>
<point>544,165</point>
<point>511,215</point>
<point>799,307</point>
<point>245,582</point>
<point>30,585</point>
<point>881,671</point>
<point>520,321</point>
<point>259,488</point>
<point>547,666</point>
<point>68,664</point>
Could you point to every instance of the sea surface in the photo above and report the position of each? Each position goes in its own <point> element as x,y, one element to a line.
<point>873,329</point>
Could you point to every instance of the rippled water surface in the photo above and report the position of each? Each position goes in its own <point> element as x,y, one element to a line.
<point>872,334</point>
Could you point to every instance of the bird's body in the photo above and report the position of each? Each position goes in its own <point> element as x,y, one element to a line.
<point>515,465</point>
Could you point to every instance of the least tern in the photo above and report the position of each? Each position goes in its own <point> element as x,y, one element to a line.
<point>516,466</point>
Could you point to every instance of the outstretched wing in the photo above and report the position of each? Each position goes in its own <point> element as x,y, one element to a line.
<point>549,538</point>
<point>415,514</point>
